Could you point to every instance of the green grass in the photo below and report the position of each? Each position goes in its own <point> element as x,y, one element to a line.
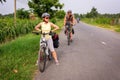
<point>60,24</point>
<point>103,23</point>
<point>19,55</point>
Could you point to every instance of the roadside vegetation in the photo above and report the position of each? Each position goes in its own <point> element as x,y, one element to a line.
<point>103,23</point>
<point>18,45</point>
<point>107,21</point>
<point>8,31</point>
<point>18,56</point>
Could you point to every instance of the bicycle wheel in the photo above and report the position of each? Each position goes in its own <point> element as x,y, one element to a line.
<point>42,60</point>
<point>50,55</point>
<point>68,38</point>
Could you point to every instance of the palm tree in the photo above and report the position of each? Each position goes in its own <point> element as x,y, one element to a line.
<point>2,1</point>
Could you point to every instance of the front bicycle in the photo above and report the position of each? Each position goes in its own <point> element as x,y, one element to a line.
<point>44,53</point>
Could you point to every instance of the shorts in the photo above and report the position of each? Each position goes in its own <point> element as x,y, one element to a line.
<point>50,44</point>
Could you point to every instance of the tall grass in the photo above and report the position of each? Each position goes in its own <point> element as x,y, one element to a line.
<point>8,31</point>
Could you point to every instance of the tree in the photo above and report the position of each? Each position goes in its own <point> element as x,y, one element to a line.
<point>2,1</point>
<point>21,13</point>
<point>93,13</point>
<point>60,14</point>
<point>76,15</point>
<point>41,6</point>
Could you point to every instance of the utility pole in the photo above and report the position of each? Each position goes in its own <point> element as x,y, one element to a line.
<point>15,13</point>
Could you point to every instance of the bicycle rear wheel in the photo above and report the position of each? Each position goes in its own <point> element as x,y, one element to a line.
<point>42,60</point>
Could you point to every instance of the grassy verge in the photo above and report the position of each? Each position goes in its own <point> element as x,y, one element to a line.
<point>18,57</point>
<point>103,23</point>
<point>60,24</point>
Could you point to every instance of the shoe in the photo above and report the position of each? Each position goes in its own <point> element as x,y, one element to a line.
<point>71,40</point>
<point>57,62</point>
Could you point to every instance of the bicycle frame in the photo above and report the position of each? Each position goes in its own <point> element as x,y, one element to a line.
<point>69,30</point>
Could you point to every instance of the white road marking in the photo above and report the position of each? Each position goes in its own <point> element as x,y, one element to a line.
<point>104,43</point>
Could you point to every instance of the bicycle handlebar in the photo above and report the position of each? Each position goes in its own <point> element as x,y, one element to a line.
<point>40,32</point>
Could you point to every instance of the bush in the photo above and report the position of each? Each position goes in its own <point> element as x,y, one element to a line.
<point>8,31</point>
<point>103,20</point>
<point>22,14</point>
<point>53,20</point>
<point>60,14</point>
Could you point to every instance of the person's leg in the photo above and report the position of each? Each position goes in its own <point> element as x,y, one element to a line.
<point>71,34</point>
<point>54,54</point>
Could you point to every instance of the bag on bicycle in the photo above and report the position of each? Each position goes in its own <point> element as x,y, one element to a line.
<point>55,39</point>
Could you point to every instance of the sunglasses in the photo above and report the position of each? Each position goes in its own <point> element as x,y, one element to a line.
<point>46,17</point>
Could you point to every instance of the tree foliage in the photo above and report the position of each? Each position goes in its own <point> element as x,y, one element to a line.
<point>22,14</point>
<point>76,15</point>
<point>93,13</point>
<point>60,14</point>
<point>41,6</point>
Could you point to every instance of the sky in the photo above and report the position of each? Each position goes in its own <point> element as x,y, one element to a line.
<point>77,6</point>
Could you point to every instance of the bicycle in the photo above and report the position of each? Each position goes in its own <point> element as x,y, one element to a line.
<point>44,53</point>
<point>68,31</point>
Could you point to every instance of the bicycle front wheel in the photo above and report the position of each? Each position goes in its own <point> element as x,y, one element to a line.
<point>68,38</point>
<point>42,60</point>
<point>50,55</point>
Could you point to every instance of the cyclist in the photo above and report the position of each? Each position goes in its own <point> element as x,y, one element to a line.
<point>69,17</point>
<point>78,19</point>
<point>46,27</point>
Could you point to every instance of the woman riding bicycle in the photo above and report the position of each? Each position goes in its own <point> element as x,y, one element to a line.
<point>46,27</point>
<point>69,18</point>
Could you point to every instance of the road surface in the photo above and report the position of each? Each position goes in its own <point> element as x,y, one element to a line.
<point>94,54</point>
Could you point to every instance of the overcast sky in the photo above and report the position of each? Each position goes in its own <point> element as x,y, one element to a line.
<point>77,6</point>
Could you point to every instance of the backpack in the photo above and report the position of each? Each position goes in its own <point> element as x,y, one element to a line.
<point>55,39</point>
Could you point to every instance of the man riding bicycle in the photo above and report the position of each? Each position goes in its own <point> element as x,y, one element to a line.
<point>46,27</point>
<point>69,18</point>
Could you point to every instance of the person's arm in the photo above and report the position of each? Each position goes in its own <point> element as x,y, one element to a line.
<point>37,27</point>
<point>55,27</point>
<point>74,20</point>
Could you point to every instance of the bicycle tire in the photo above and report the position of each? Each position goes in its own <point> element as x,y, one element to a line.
<point>42,60</point>
<point>68,38</point>
<point>50,55</point>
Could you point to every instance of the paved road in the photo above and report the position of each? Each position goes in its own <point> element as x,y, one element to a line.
<point>93,55</point>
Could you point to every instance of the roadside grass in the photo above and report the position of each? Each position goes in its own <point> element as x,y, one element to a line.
<point>60,24</point>
<point>18,57</point>
<point>103,23</point>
